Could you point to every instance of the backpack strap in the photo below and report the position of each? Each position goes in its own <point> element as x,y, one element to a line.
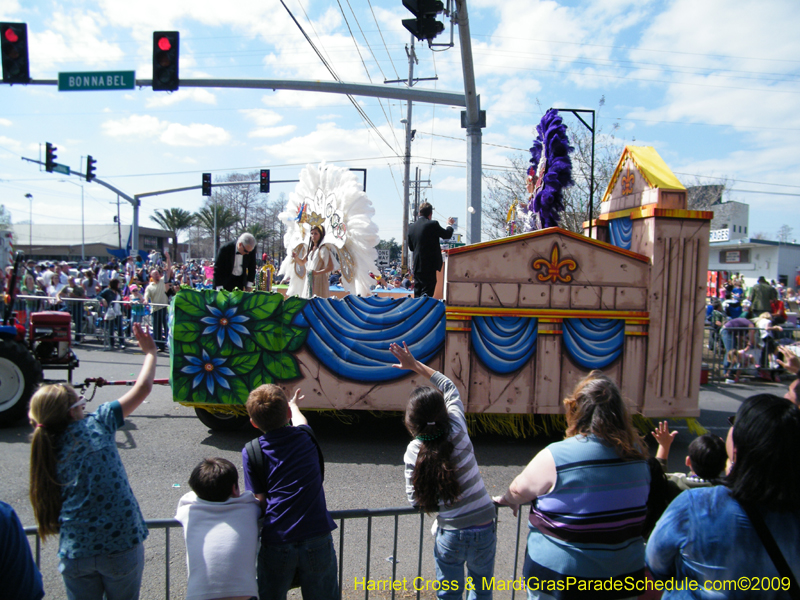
<point>310,432</point>
<point>256,458</point>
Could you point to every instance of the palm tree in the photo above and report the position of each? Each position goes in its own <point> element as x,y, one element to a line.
<point>175,220</point>
<point>226,218</point>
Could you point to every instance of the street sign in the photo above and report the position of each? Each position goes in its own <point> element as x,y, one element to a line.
<point>63,169</point>
<point>97,80</point>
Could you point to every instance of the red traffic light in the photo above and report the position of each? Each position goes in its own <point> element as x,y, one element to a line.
<point>11,35</point>
<point>164,44</point>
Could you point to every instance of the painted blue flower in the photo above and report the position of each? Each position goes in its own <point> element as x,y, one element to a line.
<point>210,369</point>
<point>228,322</point>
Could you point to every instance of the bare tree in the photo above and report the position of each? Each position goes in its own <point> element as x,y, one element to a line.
<point>784,234</point>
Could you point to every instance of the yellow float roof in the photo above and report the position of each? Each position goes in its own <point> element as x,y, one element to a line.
<point>652,167</point>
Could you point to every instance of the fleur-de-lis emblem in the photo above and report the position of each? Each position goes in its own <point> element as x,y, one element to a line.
<point>627,182</point>
<point>552,270</point>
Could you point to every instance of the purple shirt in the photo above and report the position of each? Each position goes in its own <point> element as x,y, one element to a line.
<point>739,322</point>
<point>296,508</point>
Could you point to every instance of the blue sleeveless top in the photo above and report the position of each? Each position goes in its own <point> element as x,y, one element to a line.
<point>589,526</point>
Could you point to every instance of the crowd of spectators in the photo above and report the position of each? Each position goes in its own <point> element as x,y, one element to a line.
<point>751,327</point>
<point>110,297</point>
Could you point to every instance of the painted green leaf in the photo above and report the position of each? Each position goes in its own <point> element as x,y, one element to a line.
<point>270,336</point>
<point>242,363</point>
<point>291,307</point>
<point>281,365</point>
<point>187,331</point>
<point>259,377</point>
<point>191,302</point>
<point>296,336</point>
<point>260,305</point>
<point>182,389</point>
<point>238,393</point>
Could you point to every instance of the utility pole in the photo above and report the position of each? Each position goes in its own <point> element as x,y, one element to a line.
<point>412,58</point>
<point>119,225</point>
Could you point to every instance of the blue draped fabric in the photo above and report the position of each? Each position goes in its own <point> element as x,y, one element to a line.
<point>621,231</point>
<point>504,344</point>
<point>594,343</point>
<point>351,337</point>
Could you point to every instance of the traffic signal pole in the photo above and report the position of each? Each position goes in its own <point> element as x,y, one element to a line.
<point>474,121</point>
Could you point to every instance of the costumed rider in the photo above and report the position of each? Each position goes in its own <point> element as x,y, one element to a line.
<point>328,226</point>
<point>235,266</point>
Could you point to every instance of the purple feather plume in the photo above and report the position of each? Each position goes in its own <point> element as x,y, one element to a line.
<point>552,139</point>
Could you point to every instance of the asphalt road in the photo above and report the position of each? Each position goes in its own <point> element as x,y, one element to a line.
<point>162,442</point>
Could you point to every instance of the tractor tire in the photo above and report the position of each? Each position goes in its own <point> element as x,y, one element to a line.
<point>20,372</point>
<point>221,421</point>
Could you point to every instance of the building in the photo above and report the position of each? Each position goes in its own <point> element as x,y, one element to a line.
<point>753,258</point>
<point>70,242</point>
<point>731,218</point>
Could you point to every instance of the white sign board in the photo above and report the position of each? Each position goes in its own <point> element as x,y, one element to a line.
<point>383,258</point>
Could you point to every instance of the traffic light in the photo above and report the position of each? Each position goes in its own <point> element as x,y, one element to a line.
<point>14,46</point>
<point>206,184</point>
<point>265,181</point>
<point>49,157</point>
<point>165,60</point>
<point>90,168</point>
<point>424,26</point>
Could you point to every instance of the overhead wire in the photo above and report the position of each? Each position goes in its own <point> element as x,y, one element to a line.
<point>330,69</point>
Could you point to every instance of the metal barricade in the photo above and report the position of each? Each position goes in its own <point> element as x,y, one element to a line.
<point>342,517</point>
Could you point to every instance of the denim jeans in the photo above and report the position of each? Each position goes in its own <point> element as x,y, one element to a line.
<point>729,343</point>
<point>315,561</point>
<point>476,548</point>
<point>117,575</point>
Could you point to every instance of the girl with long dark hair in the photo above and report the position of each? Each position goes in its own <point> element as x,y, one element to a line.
<point>442,475</point>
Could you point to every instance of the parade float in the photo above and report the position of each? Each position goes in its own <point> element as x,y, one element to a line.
<point>523,318</point>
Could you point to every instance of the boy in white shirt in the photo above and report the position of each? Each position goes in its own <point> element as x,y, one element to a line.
<point>220,527</point>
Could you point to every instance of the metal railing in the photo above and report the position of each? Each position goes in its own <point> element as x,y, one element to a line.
<point>342,516</point>
<point>718,341</point>
<point>90,323</point>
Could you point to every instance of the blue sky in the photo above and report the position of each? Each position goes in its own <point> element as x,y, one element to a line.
<point>712,85</point>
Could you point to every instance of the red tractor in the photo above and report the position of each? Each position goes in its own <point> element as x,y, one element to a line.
<point>49,346</point>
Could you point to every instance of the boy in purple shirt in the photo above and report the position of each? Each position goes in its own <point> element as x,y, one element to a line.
<point>296,534</point>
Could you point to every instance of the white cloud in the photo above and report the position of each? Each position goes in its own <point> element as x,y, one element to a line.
<point>189,94</point>
<point>303,100</point>
<point>196,134</point>
<point>5,122</point>
<point>266,120</point>
<point>74,37</point>
<point>272,132</point>
<point>328,142</point>
<point>172,134</point>
<point>11,143</point>
<point>135,126</point>
<point>451,184</point>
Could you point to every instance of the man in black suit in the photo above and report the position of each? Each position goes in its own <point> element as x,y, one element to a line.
<point>423,240</point>
<point>235,266</point>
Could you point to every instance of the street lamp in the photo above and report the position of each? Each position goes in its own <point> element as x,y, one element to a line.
<point>83,228</point>
<point>30,224</point>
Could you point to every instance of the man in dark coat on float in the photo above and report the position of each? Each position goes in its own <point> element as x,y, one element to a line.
<point>423,240</point>
<point>235,266</point>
